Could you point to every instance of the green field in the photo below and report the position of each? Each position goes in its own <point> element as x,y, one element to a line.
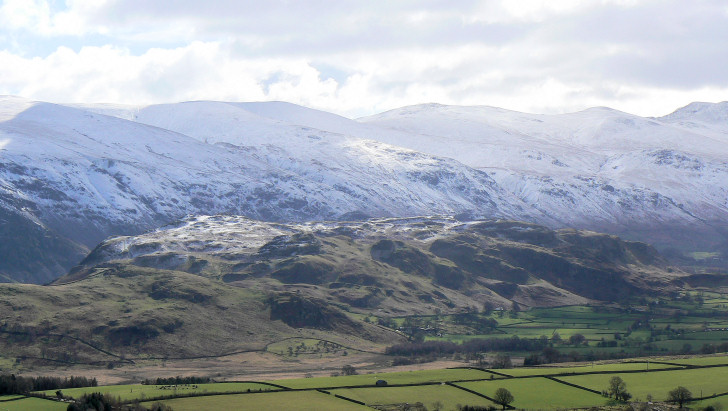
<point>32,404</point>
<point>142,392</point>
<point>303,401</point>
<point>652,327</point>
<point>712,360</point>
<point>530,389</point>
<point>538,393</point>
<point>703,255</point>
<point>707,381</point>
<point>428,395</point>
<point>407,377</point>
<point>715,402</point>
<point>707,335</point>
<point>615,367</point>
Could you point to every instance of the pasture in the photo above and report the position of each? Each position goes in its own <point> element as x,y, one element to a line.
<point>700,381</point>
<point>538,393</point>
<point>31,404</point>
<point>583,369</point>
<point>143,392</point>
<point>394,378</point>
<point>449,397</point>
<point>721,359</point>
<point>303,401</point>
<point>444,388</point>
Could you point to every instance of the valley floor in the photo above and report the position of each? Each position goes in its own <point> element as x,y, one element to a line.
<point>561,386</point>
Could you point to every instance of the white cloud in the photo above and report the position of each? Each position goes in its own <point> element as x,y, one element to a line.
<point>39,17</point>
<point>356,58</point>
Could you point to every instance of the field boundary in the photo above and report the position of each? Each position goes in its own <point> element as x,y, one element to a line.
<point>573,385</point>
<point>510,407</point>
<point>668,363</point>
<point>493,372</point>
<point>278,388</point>
<point>250,382</point>
<point>708,397</point>
<point>485,370</point>
<point>15,399</point>
<point>341,397</point>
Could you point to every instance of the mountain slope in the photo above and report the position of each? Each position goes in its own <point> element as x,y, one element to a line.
<point>664,180</point>
<point>649,179</point>
<point>72,175</point>
<point>83,176</point>
<point>217,285</point>
<point>399,266</point>
<point>121,314</point>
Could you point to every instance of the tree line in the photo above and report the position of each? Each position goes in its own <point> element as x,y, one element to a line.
<point>177,380</point>
<point>13,384</point>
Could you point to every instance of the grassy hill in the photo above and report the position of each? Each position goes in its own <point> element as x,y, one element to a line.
<point>190,291</point>
<point>402,266</point>
<point>120,313</point>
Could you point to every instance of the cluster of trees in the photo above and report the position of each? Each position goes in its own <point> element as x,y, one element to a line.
<point>12,384</point>
<point>474,321</point>
<point>105,402</point>
<point>177,381</point>
<point>345,370</point>
<point>348,370</point>
<point>712,349</point>
<point>550,355</point>
<point>617,389</point>
<point>94,401</point>
<point>543,353</point>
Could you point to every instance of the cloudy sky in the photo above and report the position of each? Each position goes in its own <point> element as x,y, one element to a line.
<point>360,57</point>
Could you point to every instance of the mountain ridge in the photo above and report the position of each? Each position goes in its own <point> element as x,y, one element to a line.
<point>74,172</point>
<point>86,176</point>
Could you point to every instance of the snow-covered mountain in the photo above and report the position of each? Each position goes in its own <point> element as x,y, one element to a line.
<point>72,175</point>
<point>76,176</point>
<point>660,180</point>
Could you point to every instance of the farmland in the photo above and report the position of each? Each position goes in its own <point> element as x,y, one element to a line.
<point>586,369</point>
<point>447,395</point>
<point>30,404</point>
<point>546,387</point>
<point>409,377</point>
<point>142,392</point>
<point>701,382</point>
<point>651,346</point>
<point>304,401</point>
<point>531,393</point>
<point>691,322</point>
